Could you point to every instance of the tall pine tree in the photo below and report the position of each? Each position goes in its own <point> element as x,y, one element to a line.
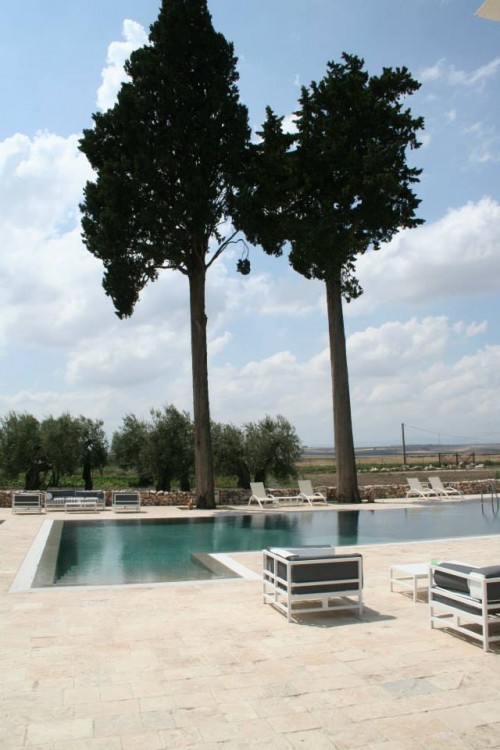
<point>166,158</point>
<point>337,188</point>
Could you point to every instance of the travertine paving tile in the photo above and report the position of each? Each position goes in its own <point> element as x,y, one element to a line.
<point>104,743</point>
<point>312,740</point>
<point>67,730</point>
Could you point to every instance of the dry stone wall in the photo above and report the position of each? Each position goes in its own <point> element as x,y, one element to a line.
<point>369,493</point>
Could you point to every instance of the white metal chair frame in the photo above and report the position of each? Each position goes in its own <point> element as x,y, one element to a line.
<point>461,611</point>
<point>316,578</point>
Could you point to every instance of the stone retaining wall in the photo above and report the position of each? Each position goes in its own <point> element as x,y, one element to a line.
<point>369,493</point>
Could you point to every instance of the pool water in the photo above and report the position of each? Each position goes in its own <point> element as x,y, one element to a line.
<point>157,550</point>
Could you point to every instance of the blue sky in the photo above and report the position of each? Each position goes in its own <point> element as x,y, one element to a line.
<point>423,340</point>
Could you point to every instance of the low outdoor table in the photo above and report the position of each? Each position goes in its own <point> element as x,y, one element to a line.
<point>409,575</point>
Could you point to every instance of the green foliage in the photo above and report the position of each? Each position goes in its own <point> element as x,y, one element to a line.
<point>341,184</point>
<point>94,448</point>
<point>166,154</point>
<point>159,451</point>
<point>229,453</point>
<point>21,448</point>
<point>171,447</point>
<point>130,448</point>
<point>270,447</point>
<point>56,445</point>
<point>61,444</point>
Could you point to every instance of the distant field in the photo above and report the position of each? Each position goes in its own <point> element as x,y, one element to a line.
<point>384,457</point>
<point>446,460</point>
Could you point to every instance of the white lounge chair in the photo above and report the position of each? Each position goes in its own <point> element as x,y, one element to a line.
<point>263,496</point>
<point>309,494</point>
<point>260,495</point>
<point>417,489</point>
<point>123,501</point>
<point>443,489</point>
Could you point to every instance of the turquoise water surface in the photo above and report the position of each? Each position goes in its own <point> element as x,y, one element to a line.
<point>147,550</point>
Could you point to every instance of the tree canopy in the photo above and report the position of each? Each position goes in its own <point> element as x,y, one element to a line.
<point>166,158</point>
<point>258,450</point>
<point>171,447</point>
<point>131,449</point>
<point>56,444</point>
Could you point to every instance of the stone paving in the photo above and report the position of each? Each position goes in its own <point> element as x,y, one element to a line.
<point>208,666</point>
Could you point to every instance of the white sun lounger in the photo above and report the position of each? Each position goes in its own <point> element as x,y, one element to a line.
<point>265,497</point>
<point>309,494</point>
<point>417,489</point>
<point>443,489</point>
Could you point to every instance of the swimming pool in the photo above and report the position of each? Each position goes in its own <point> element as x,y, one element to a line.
<point>160,550</point>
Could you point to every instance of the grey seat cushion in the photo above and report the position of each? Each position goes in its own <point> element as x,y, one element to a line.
<point>453,582</point>
<point>491,571</point>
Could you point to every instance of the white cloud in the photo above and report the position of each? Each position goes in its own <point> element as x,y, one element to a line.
<point>372,352</point>
<point>399,371</point>
<point>113,75</point>
<point>425,140</point>
<point>455,257</point>
<point>475,329</point>
<point>456,397</point>
<point>41,181</point>
<point>290,123</point>
<point>455,77</point>
<point>46,273</point>
<point>487,148</point>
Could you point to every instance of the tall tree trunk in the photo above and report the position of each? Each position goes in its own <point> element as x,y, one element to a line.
<point>163,483</point>
<point>204,471</point>
<point>347,479</point>
<point>87,474</point>
<point>185,483</point>
<point>32,479</point>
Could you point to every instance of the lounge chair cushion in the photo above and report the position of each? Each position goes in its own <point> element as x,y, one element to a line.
<point>451,582</point>
<point>490,571</point>
<point>303,553</point>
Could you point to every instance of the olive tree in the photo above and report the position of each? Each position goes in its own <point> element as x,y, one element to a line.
<point>131,448</point>
<point>93,445</point>
<point>60,440</point>
<point>229,453</point>
<point>171,447</point>
<point>21,450</point>
<point>269,447</point>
